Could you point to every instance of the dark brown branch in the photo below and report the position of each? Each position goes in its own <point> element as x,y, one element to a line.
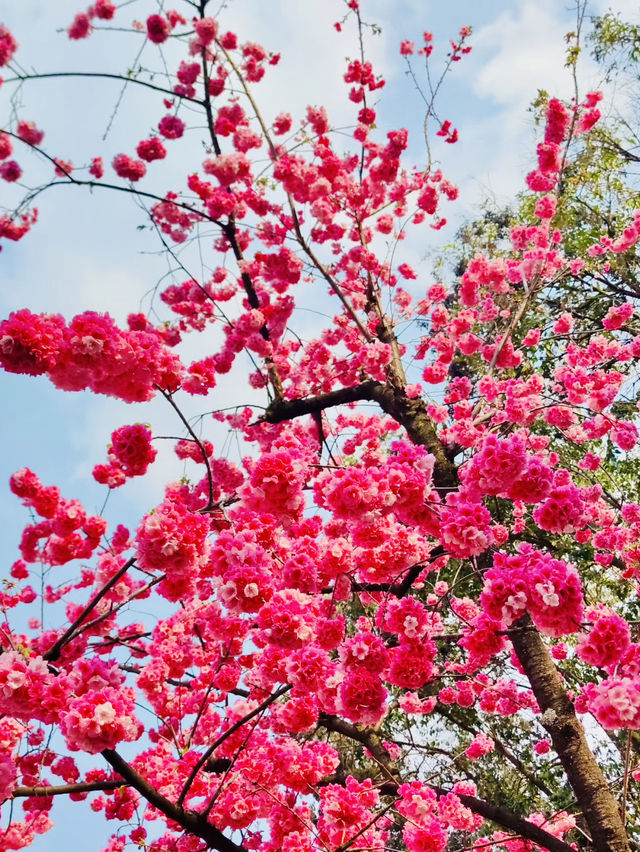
<point>410,413</point>
<point>500,747</point>
<point>93,74</point>
<point>115,609</point>
<point>359,733</point>
<point>627,155</point>
<point>498,815</point>
<point>68,789</point>
<point>507,819</point>
<point>198,443</point>
<point>206,755</point>
<point>567,734</point>
<point>189,820</point>
<point>400,590</point>
<point>288,409</point>
<point>54,651</point>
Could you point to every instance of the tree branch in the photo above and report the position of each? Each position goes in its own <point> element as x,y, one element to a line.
<point>68,789</point>
<point>288,409</point>
<point>400,590</point>
<point>54,651</point>
<point>53,75</point>
<point>206,755</point>
<point>198,443</point>
<point>507,819</point>
<point>500,747</point>
<point>189,820</point>
<point>410,413</point>
<point>500,816</point>
<point>567,734</point>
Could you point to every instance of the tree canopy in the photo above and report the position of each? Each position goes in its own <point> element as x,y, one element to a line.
<point>403,612</point>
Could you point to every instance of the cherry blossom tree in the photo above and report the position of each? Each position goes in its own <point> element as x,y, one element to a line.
<point>405,616</point>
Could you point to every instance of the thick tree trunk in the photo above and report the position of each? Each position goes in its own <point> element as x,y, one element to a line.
<point>596,801</point>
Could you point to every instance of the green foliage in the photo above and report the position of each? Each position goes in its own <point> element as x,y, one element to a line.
<point>615,43</point>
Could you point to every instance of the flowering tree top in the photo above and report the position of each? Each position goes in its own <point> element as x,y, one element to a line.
<point>421,572</point>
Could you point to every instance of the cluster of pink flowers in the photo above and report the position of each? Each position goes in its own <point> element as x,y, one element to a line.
<point>615,702</point>
<point>245,571</point>
<point>549,151</point>
<point>194,302</point>
<point>6,149</point>
<point>158,29</point>
<point>564,510</point>
<point>608,640</point>
<point>345,811</point>
<point>265,558</point>
<point>10,171</point>
<point>128,168</point>
<point>352,493</point>
<point>407,618</point>
<point>151,149</point>
<point>275,483</point>
<point>24,686</point>
<point>503,467</point>
<point>100,711</point>
<point>482,273</point>
<point>362,696</point>
<point>456,815</point>
<point>532,581</point>
<point>8,46</point>
<point>465,527</point>
<point>173,540</point>
<point>130,454</point>
<point>93,709</point>
<point>189,449</point>
<point>171,127</point>
<point>173,219</point>
<point>288,619</point>
<point>401,485</point>
<point>589,112</point>
<point>67,532</point>
<point>480,745</point>
<point>29,133</point>
<point>90,352</point>
<point>411,664</point>
<point>81,26</point>
<point>428,815</point>
<point>497,465</point>
<point>100,719</point>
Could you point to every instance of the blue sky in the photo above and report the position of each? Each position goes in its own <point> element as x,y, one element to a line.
<point>86,252</point>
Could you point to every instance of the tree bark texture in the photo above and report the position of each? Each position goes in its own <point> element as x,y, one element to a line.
<point>589,785</point>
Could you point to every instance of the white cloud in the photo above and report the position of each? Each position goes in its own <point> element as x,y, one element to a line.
<point>628,9</point>
<point>520,52</point>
